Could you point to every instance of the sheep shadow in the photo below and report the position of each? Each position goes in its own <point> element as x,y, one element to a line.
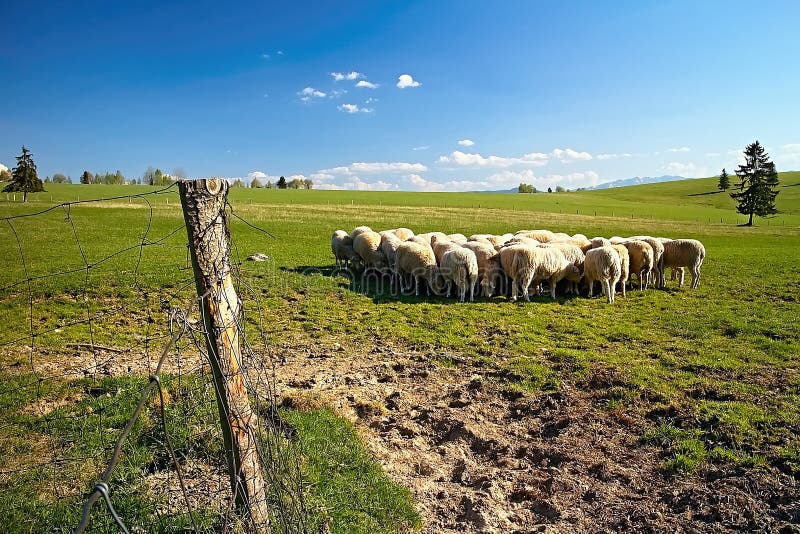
<point>381,290</point>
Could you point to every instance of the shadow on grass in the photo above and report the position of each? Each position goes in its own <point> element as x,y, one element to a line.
<point>704,194</point>
<point>381,290</point>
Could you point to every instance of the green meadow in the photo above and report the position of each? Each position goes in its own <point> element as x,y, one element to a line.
<point>714,372</point>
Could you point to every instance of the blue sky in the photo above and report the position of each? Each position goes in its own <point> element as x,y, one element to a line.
<point>569,93</point>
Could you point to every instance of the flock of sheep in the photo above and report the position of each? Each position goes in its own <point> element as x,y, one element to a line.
<point>524,260</point>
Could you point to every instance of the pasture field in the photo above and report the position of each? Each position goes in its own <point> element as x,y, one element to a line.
<point>694,389</point>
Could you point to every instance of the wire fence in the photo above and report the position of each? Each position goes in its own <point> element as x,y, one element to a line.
<point>109,413</point>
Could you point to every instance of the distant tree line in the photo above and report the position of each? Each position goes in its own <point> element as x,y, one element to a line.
<point>528,188</point>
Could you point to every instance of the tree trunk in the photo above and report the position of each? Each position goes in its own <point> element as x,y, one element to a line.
<point>750,222</point>
<point>204,204</point>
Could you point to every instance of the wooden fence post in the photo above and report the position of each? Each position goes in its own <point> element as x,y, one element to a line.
<point>203,203</point>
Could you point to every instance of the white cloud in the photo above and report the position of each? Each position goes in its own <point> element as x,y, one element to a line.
<point>257,174</point>
<point>405,80</point>
<point>339,76</point>
<point>336,93</point>
<point>687,170</point>
<point>353,108</point>
<point>309,93</point>
<point>358,184</point>
<point>367,85</point>
<point>265,56</point>
<point>789,155</point>
<point>466,142</point>
<point>423,147</point>
<point>280,52</point>
<point>370,100</point>
<point>376,167</point>
<point>321,177</point>
<point>463,159</point>
<point>679,149</point>
<point>568,155</point>
<point>3,167</point>
<point>332,187</point>
<point>614,156</point>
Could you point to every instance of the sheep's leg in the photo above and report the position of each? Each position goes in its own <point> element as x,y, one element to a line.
<point>622,284</point>
<point>472,287</point>
<point>513,290</point>
<point>416,284</point>
<point>609,289</point>
<point>682,276</point>
<point>591,287</point>
<point>552,289</point>
<point>524,284</point>
<point>695,277</point>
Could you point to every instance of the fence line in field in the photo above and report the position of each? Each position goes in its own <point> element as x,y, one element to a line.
<point>172,424</point>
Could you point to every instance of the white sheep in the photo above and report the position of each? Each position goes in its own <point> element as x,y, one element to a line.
<point>641,260</point>
<point>603,265</point>
<point>574,254</point>
<point>488,265</point>
<point>403,233</point>
<point>683,253</point>
<point>359,230</point>
<point>625,266</point>
<point>417,261</point>
<point>367,245</point>
<point>342,247</point>
<point>460,266</point>
<point>658,251</point>
<point>598,242</point>
<point>531,265</point>
<point>457,238</point>
<point>430,235</point>
<point>440,245</point>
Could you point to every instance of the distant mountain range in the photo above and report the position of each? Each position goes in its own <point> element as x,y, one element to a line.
<point>636,180</point>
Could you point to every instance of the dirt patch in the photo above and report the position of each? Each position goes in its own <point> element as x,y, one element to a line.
<point>207,488</point>
<point>480,457</point>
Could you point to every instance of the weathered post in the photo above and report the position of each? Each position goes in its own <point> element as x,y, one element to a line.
<point>203,204</point>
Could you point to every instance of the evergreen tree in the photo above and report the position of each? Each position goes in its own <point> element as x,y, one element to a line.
<point>549,189</point>
<point>282,183</point>
<point>256,183</point>
<point>724,182</point>
<point>269,184</point>
<point>87,177</point>
<point>757,182</point>
<point>24,177</point>
<point>238,183</point>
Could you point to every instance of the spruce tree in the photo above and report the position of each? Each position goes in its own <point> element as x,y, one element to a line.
<point>282,183</point>
<point>724,182</point>
<point>87,177</point>
<point>757,182</point>
<point>24,177</point>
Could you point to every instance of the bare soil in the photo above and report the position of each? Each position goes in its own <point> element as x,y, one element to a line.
<point>480,456</point>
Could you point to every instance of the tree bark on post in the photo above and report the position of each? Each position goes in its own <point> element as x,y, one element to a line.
<point>203,204</point>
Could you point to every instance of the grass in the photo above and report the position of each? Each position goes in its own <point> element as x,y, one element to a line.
<point>718,365</point>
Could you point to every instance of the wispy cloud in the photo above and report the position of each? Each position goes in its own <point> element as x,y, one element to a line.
<point>614,156</point>
<point>352,75</point>
<point>687,170</point>
<point>376,167</point>
<point>466,142</point>
<point>533,159</point>
<point>568,155</point>
<point>679,149</point>
<point>423,147</point>
<point>354,108</point>
<point>265,56</point>
<point>463,159</point>
<point>405,80</point>
<point>309,93</point>
<point>367,85</point>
